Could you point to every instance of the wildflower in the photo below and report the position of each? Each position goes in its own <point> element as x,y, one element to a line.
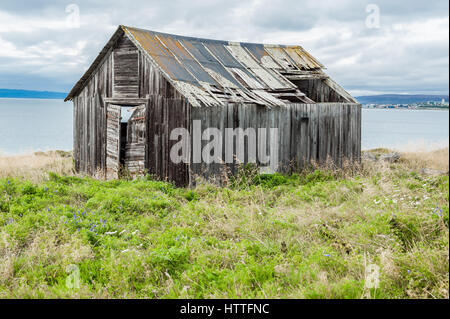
<point>437,211</point>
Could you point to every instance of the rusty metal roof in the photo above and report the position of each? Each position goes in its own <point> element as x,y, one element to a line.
<point>213,71</point>
<point>210,72</point>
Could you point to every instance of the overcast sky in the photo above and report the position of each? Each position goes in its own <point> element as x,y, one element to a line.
<point>42,47</point>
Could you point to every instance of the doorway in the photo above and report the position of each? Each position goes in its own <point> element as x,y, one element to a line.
<point>125,140</point>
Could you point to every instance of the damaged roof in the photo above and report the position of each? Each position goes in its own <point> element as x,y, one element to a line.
<point>213,72</point>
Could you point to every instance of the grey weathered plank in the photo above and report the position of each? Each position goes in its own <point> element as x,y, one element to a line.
<point>112,140</point>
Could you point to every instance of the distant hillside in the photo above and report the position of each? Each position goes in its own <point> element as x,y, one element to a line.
<point>25,94</point>
<point>400,98</point>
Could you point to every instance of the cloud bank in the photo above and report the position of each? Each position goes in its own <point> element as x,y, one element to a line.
<point>407,53</point>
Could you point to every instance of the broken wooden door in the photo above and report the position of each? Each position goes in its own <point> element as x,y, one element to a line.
<point>135,146</point>
<point>112,141</point>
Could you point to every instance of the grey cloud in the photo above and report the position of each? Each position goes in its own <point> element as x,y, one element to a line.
<point>380,59</point>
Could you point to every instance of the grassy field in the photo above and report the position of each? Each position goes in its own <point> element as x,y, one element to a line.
<point>319,234</point>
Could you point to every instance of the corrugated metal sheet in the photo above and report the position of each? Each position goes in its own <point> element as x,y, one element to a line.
<point>211,72</point>
<point>201,54</point>
<point>256,49</point>
<point>271,79</point>
<point>186,59</point>
<point>222,54</point>
<point>301,58</point>
<point>162,56</point>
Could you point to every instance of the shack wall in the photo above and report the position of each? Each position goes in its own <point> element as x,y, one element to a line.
<point>89,116</point>
<point>306,133</point>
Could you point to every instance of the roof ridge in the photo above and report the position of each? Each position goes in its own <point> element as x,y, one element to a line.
<point>214,40</point>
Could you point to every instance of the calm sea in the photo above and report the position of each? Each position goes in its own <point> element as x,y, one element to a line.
<point>28,125</point>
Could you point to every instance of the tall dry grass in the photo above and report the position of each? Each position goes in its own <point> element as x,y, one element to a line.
<point>437,159</point>
<point>35,167</point>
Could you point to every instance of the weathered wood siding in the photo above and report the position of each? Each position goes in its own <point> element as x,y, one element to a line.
<point>90,120</point>
<point>126,69</point>
<point>166,114</point>
<point>306,132</point>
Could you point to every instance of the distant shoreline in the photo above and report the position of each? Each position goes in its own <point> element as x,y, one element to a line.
<point>32,98</point>
<point>30,94</point>
<point>406,109</point>
<point>366,108</point>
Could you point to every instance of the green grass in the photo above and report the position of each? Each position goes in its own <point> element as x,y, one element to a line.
<point>306,235</point>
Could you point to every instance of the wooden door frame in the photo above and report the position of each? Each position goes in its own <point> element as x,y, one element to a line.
<point>122,102</point>
<point>126,101</point>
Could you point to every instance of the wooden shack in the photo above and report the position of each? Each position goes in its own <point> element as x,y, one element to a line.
<point>145,84</point>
